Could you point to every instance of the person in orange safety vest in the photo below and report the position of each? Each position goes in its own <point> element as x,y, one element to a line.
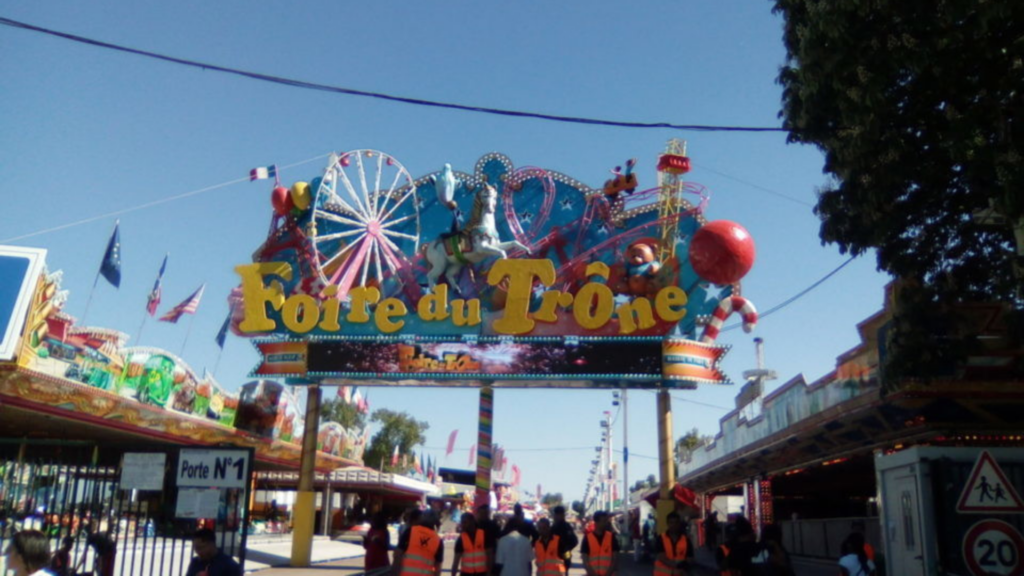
<point>600,547</point>
<point>549,551</point>
<point>474,550</point>
<point>420,552</point>
<point>673,549</point>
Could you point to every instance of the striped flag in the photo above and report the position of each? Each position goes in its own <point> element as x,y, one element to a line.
<point>154,296</point>
<point>394,456</point>
<point>189,306</point>
<point>263,172</point>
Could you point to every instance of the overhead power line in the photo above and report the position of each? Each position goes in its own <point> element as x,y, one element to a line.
<point>798,295</point>
<point>148,204</point>
<point>382,96</point>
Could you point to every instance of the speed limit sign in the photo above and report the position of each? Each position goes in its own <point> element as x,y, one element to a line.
<point>994,547</point>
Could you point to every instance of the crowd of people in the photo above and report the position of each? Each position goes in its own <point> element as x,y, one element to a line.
<point>513,546</point>
<point>28,554</point>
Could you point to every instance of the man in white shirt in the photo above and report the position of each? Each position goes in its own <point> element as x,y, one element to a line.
<point>514,556</point>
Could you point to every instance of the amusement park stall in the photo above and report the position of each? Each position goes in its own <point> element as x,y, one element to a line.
<point>810,456</point>
<point>80,409</point>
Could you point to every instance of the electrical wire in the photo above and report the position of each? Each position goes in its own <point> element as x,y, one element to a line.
<point>382,96</point>
<point>149,204</point>
<point>753,185</point>
<point>797,296</point>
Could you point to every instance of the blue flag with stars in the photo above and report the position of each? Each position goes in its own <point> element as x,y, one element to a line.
<point>111,267</point>
<point>222,335</point>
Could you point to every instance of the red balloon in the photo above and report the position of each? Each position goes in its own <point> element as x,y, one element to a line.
<point>722,252</point>
<point>281,199</point>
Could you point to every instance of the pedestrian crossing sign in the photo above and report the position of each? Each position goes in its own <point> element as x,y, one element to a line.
<point>988,490</point>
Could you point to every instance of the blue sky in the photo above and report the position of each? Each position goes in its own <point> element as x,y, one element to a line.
<point>87,132</point>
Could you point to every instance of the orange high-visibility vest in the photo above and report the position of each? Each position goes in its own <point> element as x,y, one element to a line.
<point>419,558</point>
<point>600,552</point>
<point>549,562</point>
<point>474,557</point>
<point>725,555</point>
<point>677,552</point>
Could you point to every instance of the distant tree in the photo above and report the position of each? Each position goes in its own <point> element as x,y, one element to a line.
<point>551,500</point>
<point>577,507</point>
<point>396,428</point>
<point>920,114</point>
<point>689,442</point>
<point>344,413</point>
<point>651,481</point>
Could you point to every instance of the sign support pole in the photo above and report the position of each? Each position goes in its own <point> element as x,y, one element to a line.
<point>305,499</point>
<point>483,446</point>
<point>666,459</point>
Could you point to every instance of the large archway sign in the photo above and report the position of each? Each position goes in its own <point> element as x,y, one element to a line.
<point>510,277</point>
<point>494,277</point>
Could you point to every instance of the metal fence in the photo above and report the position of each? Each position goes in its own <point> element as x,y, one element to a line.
<point>71,492</point>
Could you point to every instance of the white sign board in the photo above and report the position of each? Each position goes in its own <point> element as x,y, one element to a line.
<point>213,468</point>
<point>195,503</point>
<point>143,471</point>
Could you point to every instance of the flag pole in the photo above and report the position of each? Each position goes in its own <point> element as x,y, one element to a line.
<point>138,337</point>
<point>88,301</point>
<point>217,363</point>
<point>187,332</point>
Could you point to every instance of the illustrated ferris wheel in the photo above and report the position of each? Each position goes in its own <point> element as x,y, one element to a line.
<point>366,219</point>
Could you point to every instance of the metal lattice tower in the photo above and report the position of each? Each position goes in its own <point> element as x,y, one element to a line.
<point>670,201</point>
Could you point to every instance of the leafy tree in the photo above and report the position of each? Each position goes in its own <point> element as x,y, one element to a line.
<point>551,500</point>
<point>687,443</point>
<point>396,428</point>
<point>651,481</point>
<point>577,507</point>
<point>919,110</point>
<point>337,410</point>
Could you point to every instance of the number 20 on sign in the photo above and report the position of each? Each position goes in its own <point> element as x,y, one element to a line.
<point>994,547</point>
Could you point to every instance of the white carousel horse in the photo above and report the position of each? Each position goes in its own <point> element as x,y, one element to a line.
<point>472,244</point>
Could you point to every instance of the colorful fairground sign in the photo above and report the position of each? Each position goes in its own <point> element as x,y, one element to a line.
<point>510,276</point>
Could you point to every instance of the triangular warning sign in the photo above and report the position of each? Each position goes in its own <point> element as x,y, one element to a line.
<point>988,490</point>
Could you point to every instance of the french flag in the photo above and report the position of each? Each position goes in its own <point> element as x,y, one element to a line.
<point>263,172</point>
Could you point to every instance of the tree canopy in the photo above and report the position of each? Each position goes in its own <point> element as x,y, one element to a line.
<point>577,507</point>
<point>551,499</point>
<point>344,413</point>
<point>687,443</point>
<point>396,429</point>
<point>918,109</point>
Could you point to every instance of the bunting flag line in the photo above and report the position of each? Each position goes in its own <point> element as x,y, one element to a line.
<point>263,172</point>
<point>153,301</point>
<point>189,306</point>
<point>472,454</point>
<point>111,266</point>
<point>451,442</point>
